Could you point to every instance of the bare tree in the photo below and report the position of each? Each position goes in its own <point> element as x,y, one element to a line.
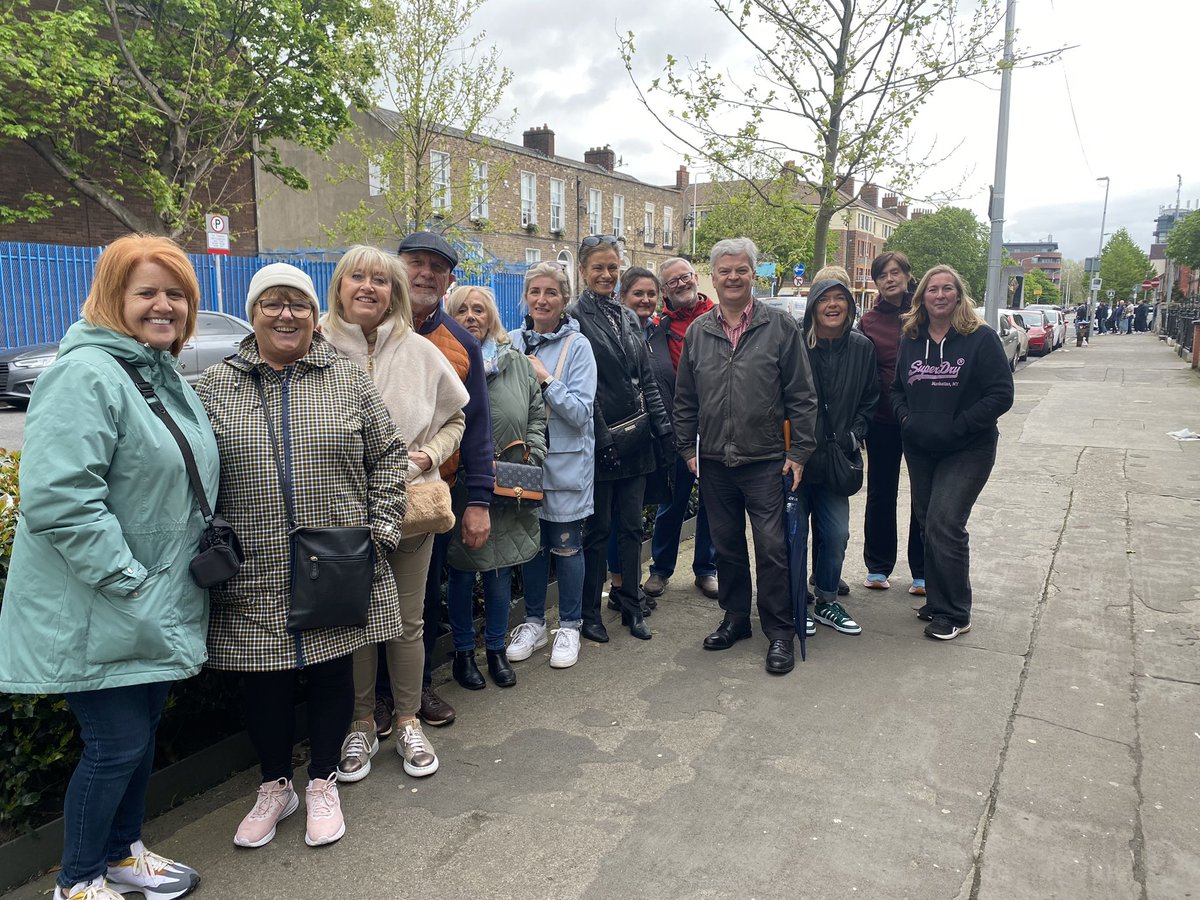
<point>436,78</point>
<point>835,88</point>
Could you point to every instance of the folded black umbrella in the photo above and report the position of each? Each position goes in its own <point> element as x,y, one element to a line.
<point>796,528</point>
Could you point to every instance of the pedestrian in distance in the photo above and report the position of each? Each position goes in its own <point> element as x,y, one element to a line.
<point>952,384</point>
<point>893,279</point>
<point>99,605</point>
<point>844,372</point>
<point>430,260</point>
<point>306,442</point>
<point>518,435</point>
<point>629,420</point>
<point>370,323</point>
<point>743,374</point>
<point>682,304</point>
<point>565,369</point>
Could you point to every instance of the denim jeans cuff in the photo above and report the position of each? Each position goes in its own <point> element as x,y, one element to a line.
<point>825,596</point>
<point>570,623</point>
<point>535,620</point>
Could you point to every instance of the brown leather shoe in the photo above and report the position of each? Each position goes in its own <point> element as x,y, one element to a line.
<point>434,710</point>
<point>707,585</point>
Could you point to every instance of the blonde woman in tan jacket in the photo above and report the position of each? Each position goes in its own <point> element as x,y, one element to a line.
<point>370,322</point>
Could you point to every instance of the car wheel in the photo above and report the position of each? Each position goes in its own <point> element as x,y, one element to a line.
<point>1012,364</point>
<point>16,403</point>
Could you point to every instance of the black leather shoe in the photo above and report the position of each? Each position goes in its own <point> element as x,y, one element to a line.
<point>596,632</point>
<point>500,669</point>
<point>613,603</point>
<point>727,634</point>
<point>466,672</point>
<point>637,626</point>
<point>781,657</point>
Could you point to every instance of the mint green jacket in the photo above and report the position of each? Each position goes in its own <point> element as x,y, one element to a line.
<point>98,592</point>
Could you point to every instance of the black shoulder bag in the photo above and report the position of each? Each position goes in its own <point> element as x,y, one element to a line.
<point>219,556</point>
<point>332,569</point>
<point>843,473</point>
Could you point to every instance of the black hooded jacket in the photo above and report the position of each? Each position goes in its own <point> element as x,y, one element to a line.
<point>947,396</point>
<point>846,379</point>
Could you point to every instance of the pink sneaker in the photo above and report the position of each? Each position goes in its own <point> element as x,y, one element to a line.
<point>325,822</point>
<point>276,801</point>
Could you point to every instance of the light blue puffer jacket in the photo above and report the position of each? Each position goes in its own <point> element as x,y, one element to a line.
<point>98,592</point>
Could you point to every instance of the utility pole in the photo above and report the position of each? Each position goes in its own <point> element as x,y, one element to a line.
<point>992,299</point>
<point>1159,320</point>
<point>1100,249</point>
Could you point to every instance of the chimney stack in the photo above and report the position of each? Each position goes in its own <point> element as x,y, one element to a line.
<point>870,195</point>
<point>540,140</point>
<point>902,210</point>
<point>604,157</point>
<point>847,187</point>
<point>889,201</point>
<point>681,179</point>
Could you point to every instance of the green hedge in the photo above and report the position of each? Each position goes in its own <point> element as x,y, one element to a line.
<point>38,741</point>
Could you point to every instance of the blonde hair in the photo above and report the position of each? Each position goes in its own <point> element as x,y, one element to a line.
<point>460,295</point>
<point>833,273</point>
<point>105,304</point>
<point>963,319</point>
<point>372,260</point>
<point>547,270</point>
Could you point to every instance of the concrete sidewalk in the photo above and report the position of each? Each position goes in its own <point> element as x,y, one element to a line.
<point>1050,752</point>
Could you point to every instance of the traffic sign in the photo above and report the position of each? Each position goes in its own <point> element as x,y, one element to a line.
<point>1096,283</point>
<point>1111,294</point>
<point>1037,292</point>
<point>798,280</point>
<point>1149,284</point>
<point>217,228</point>
<point>798,270</point>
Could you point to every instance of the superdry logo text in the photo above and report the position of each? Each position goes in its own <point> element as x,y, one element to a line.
<point>923,371</point>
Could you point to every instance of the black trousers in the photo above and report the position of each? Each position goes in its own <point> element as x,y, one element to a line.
<point>884,452</point>
<point>945,488</point>
<point>433,599</point>
<point>731,495</point>
<point>617,505</point>
<point>270,707</point>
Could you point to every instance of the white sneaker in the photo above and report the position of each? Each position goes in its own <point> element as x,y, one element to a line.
<point>325,821</point>
<point>526,638</point>
<point>416,751</point>
<point>566,648</point>
<point>276,801</point>
<point>157,877</point>
<point>96,889</point>
<point>810,627</point>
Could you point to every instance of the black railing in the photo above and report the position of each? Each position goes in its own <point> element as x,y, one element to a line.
<point>1178,322</point>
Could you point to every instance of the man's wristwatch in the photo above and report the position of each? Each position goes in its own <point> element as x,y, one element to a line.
<point>549,380</point>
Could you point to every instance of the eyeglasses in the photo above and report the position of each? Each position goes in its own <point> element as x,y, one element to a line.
<point>274,309</point>
<point>679,280</point>
<point>595,240</point>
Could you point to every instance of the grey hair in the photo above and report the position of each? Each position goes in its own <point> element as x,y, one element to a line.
<point>548,270</point>
<point>739,246</point>
<point>670,261</point>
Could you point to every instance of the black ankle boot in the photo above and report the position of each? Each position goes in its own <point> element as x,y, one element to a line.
<point>500,668</point>
<point>466,672</point>
<point>637,626</point>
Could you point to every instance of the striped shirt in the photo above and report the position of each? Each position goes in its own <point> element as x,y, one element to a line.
<point>735,331</point>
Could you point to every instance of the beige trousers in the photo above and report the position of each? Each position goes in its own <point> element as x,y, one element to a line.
<point>405,654</point>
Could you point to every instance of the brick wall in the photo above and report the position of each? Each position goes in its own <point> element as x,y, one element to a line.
<point>86,224</point>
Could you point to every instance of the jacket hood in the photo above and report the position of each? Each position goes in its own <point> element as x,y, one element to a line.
<point>815,293</point>
<point>85,334</point>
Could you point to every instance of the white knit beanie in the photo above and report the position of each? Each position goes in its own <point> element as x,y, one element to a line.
<point>279,275</point>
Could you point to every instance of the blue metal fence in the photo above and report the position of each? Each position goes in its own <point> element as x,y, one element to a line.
<point>43,286</point>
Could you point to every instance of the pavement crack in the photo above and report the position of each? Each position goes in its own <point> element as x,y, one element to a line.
<point>1137,843</point>
<point>983,830</point>
<point>1170,679</point>
<point>1081,731</point>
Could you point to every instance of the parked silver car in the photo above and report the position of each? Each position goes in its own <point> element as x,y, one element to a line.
<point>1008,338</point>
<point>217,336</point>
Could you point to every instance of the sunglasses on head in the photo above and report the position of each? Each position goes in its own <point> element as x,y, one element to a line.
<point>595,240</point>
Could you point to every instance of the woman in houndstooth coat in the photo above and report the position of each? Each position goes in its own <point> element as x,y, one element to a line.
<point>345,464</point>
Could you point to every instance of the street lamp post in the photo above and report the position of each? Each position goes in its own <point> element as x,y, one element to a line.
<point>1099,250</point>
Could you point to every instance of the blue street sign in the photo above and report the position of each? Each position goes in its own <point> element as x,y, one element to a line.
<point>798,270</point>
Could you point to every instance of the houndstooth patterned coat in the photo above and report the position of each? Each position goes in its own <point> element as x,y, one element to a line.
<point>346,463</point>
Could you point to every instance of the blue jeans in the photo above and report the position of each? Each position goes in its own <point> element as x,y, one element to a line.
<point>106,797</point>
<point>664,545</point>
<point>497,599</point>
<point>563,540</point>
<point>830,535</point>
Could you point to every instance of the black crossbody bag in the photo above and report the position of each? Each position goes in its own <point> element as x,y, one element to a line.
<point>219,556</point>
<point>332,569</point>
<point>843,474</point>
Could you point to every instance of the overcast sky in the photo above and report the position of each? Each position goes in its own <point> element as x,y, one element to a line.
<point>1130,78</point>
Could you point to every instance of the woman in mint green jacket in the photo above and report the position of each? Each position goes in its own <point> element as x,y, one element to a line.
<point>99,604</point>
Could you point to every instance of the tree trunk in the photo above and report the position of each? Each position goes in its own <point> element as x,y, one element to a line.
<point>110,204</point>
